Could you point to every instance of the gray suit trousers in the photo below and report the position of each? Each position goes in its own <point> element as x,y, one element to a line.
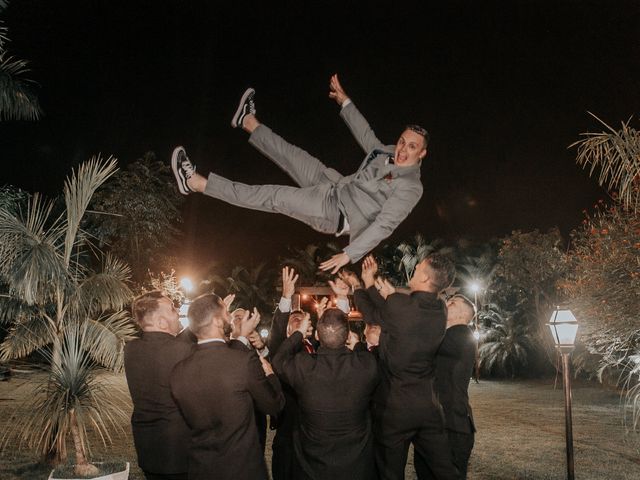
<point>315,202</point>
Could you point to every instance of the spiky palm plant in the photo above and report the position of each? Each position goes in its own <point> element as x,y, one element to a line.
<point>44,262</point>
<point>616,155</point>
<point>65,402</point>
<point>17,99</point>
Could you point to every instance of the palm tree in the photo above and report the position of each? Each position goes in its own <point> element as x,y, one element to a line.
<point>616,153</point>
<point>45,261</point>
<point>65,402</point>
<point>305,262</point>
<point>17,99</point>
<point>417,249</point>
<point>253,287</point>
<point>506,343</point>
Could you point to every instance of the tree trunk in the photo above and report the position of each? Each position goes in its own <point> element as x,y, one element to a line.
<point>82,467</point>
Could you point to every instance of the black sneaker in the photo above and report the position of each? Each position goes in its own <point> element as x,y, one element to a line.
<point>246,107</point>
<point>183,169</point>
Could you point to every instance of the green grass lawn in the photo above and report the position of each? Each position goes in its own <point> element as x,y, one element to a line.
<point>520,434</point>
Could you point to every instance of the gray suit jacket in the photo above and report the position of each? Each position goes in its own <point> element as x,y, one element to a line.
<point>380,195</point>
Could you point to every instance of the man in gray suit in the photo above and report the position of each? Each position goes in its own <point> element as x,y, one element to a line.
<point>368,205</point>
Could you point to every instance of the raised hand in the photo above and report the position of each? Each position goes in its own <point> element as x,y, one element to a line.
<point>256,340</point>
<point>335,263</point>
<point>304,325</point>
<point>384,287</point>
<point>352,340</point>
<point>340,287</point>
<point>369,270</point>
<point>350,279</point>
<point>322,306</point>
<point>247,324</point>
<point>228,300</point>
<point>289,279</point>
<point>336,91</point>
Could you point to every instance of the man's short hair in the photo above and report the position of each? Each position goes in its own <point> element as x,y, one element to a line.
<point>202,310</point>
<point>333,328</point>
<point>144,305</point>
<point>420,131</point>
<point>444,270</point>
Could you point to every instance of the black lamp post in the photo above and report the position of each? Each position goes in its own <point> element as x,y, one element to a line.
<point>564,327</point>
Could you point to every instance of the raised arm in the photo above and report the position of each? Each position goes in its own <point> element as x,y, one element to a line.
<point>355,121</point>
<point>393,212</point>
<point>281,315</point>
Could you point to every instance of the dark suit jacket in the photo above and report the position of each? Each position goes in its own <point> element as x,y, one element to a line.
<point>454,367</point>
<point>160,434</point>
<point>216,388</point>
<point>334,388</point>
<point>413,327</point>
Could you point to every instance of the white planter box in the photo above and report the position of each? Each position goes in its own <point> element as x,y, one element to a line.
<point>123,475</point>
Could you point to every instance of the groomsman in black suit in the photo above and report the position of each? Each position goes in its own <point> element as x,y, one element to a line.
<point>216,389</point>
<point>454,366</point>
<point>406,408</point>
<point>285,322</point>
<point>160,434</point>
<point>333,438</point>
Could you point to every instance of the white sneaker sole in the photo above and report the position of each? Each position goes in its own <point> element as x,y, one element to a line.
<point>177,171</point>
<point>236,116</point>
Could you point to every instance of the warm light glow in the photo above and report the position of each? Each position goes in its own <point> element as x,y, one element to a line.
<point>564,327</point>
<point>264,333</point>
<point>305,296</point>
<point>474,287</point>
<point>186,284</point>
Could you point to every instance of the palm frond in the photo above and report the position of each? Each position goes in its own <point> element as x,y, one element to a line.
<point>616,154</point>
<point>17,100</point>
<point>105,290</point>
<point>30,261</point>
<point>78,190</point>
<point>43,422</point>
<point>28,334</point>
<point>12,309</point>
<point>105,338</point>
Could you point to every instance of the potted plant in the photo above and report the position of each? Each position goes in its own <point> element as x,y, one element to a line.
<point>69,311</point>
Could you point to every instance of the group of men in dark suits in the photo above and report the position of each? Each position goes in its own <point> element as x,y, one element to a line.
<point>342,409</point>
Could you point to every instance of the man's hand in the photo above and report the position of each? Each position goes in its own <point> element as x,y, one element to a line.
<point>384,287</point>
<point>335,263</point>
<point>247,324</point>
<point>289,279</point>
<point>350,279</point>
<point>228,300</point>
<point>304,325</point>
<point>266,366</point>
<point>256,340</point>
<point>352,340</point>
<point>340,287</point>
<point>369,270</point>
<point>336,91</point>
<point>322,306</point>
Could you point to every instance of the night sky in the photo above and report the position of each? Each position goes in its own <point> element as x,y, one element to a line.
<point>503,88</point>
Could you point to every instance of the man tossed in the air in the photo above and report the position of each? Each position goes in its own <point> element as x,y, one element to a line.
<point>367,205</point>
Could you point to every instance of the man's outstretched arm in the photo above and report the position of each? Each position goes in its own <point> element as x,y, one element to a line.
<point>394,211</point>
<point>356,122</point>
